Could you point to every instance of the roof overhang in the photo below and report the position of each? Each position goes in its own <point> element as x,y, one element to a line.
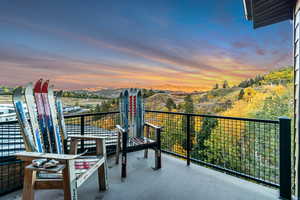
<point>267,12</point>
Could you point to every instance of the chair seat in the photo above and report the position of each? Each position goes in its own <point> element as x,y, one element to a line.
<point>133,141</point>
<point>82,164</point>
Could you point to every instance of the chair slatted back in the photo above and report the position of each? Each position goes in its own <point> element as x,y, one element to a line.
<point>26,129</point>
<point>32,137</point>
<point>132,112</point>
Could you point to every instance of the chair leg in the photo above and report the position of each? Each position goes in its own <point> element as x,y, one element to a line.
<point>146,153</point>
<point>69,182</point>
<point>102,177</point>
<point>102,170</point>
<point>124,164</point>
<point>147,136</point>
<point>157,158</point>
<point>158,150</point>
<point>118,148</point>
<point>124,155</point>
<point>29,180</point>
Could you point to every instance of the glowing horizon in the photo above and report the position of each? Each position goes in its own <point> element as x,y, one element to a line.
<point>160,45</point>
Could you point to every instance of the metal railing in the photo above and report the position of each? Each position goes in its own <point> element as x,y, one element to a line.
<point>244,147</point>
<point>11,169</point>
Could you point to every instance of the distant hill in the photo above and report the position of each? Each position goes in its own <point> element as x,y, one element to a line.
<point>109,93</point>
<point>263,96</point>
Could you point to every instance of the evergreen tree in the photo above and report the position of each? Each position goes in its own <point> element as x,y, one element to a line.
<point>241,94</point>
<point>170,104</point>
<point>188,108</point>
<point>199,150</point>
<point>225,84</point>
<point>188,104</point>
<point>216,86</point>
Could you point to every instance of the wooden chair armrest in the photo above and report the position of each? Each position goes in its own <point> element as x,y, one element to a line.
<point>86,137</point>
<point>29,156</point>
<point>120,129</point>
<point>152,125</point>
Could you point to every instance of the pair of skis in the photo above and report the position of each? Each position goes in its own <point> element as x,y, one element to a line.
<point>46,109</point>
<point>41,108</point>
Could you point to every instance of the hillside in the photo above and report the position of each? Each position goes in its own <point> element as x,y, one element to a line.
<point>264,96</point>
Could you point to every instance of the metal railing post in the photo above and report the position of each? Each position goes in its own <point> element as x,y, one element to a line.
<point>82,133</point>
<point>188,139</point>
<point>285,182</point>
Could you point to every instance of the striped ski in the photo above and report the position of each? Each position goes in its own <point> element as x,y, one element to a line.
<point>31,106</point>
<point>47,115</point>
<point>24,124</point>
<point>41,115</point>
<point>60,114</point>
<point>55,125</point>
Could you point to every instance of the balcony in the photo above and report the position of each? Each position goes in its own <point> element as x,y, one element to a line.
<point>205,156</point>
<point>174,181</point>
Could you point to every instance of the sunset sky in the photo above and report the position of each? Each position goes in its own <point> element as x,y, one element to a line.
<point>184,45</point>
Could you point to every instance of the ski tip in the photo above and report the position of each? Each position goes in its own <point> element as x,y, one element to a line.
<point>51,89</point>
<point>38,86</point>
<point>29,86</point>
<point>18,92</point>
<point>45,86</point>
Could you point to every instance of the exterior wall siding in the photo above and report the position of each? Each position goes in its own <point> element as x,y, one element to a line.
<point>296,95</point>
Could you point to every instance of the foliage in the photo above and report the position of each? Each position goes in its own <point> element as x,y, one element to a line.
<point>188,104</point>
<point>208,124</point>
<point>280,103</point>
<point>73,94</point>
<point>170,104</point>
<point>241,94</point>
<point>106,106</point>
<point>216,86</point>
<point>225,84</point>
<point>249,93</point>
<point>147,93</point>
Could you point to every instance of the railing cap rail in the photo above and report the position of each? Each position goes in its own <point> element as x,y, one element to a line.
<point>216,116</point>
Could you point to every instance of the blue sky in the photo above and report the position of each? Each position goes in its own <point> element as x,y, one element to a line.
<point>180,45</point>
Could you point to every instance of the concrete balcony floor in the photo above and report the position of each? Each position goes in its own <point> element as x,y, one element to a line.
<point>174,181</point>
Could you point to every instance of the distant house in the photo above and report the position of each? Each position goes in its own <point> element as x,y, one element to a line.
<point>267,12</point>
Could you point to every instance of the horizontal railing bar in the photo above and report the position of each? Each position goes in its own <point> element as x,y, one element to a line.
<point>90,114</point>
<point>215,116</point>
<point>162,112</point>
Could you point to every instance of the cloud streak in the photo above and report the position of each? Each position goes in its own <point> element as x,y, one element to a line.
<point>134,49</point>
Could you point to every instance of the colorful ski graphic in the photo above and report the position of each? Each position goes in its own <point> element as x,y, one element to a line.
<point>23,122</point>
<point>53,116</point>
<point>41,115</point>
<point>47,116</point>
<point>60,113</point>
<point>31,106</point>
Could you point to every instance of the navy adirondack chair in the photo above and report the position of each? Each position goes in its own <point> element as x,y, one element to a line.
<point>131,135</point>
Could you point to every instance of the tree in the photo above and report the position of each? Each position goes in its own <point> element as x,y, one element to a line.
<point>216,86</point>
<point>199,150</point>
<point>249,94</point>
<point>170,104</point>
<point>188,104</point>
<point>225,84</point>
<point>188,108</point>
<point>241,94</point>
<point>97,110</point>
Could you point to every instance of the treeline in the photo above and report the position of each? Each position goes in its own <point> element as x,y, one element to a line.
<point>85,95</point>
<point>280,76</point>
<point>6,90</point>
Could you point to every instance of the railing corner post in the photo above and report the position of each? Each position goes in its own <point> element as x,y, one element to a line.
<point>285,182</point>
